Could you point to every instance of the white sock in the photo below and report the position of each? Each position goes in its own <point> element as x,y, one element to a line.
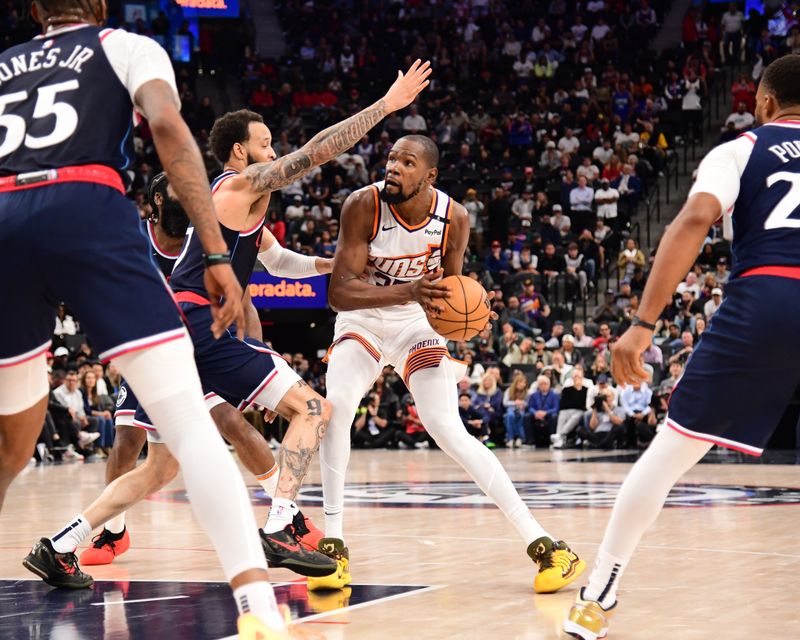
<point>72,535</point>
<point>116,524</point>
<point>351,371</point>
<point>164,379</point>
<point>638,504</point>
<point>281,514</point>
<point>605,577</point>
<point>434,392</point>
<point>259,598</point>
<point>269,480</point>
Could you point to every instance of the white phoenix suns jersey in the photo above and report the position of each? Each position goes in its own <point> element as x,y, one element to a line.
<point>399,252</point>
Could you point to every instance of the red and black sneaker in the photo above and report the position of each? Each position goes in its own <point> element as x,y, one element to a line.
<point>105,547</point>
<point>283,549</point>
<point>56,569</point>
<point>306,532</point>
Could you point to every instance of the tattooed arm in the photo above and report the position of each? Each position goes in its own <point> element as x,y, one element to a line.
<point>183,163</point>
<point>264,177</point>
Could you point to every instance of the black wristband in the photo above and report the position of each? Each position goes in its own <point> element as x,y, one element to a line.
<point>213,259</point>
<point>636,321</point>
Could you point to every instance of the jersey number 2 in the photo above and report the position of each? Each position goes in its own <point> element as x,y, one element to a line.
<point>779,218</point>
<point>46,105</point>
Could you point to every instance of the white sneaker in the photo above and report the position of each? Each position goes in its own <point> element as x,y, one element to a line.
<point>85,438</point>
<point>71,454</point>
<point>556,441</point>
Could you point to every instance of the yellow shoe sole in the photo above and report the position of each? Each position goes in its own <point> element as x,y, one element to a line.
<point>339,579</point>
<point>551,581</point>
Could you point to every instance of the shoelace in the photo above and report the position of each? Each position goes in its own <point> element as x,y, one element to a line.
<point>105,537</point>
<point>299,525</point>
<point>68,562</point>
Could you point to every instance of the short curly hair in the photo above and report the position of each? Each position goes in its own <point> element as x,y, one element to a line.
<point>782,78</point>
<point>229,129</point>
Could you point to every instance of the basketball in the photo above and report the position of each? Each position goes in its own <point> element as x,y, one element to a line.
<point>466,311</point>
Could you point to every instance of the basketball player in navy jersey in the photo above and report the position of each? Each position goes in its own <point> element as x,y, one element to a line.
<point>398,238</point>
<point>165,229</point>
<point>757,178</point>
<point>68,100</point>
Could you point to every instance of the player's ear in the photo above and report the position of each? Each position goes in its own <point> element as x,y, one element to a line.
<point>433,173</point>
<point>158,199</point>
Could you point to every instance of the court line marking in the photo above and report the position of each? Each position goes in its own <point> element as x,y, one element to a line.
<point>362,605</point>
<point>577,543</point>
<point>111,602</point>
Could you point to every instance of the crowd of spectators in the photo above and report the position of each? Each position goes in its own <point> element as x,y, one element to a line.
<point>554,119</point>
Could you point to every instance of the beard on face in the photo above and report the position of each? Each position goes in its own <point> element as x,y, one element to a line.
<point>250,159</point>
<point>174,220</point>
<point>400,196</point>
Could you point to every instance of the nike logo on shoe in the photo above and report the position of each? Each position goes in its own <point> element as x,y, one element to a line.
<point>66,567</point>
<point>289,547</point>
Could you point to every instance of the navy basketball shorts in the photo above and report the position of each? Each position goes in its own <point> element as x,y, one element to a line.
<point>79,243</point>
<point>743,372</point>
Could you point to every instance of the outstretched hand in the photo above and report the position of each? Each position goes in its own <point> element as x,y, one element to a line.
<point>407,86</point>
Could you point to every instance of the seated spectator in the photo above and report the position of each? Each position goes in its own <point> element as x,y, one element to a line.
<point>579,333</point>
<point>626,140</point>
<point>520,354</point>
<point>98,409</point>
<point>741,119</point>
<point>515,400</point>
<point>497,262</point>
<point>559,371</point>
<point>69,396</point>
<point>721,273</point>
<point>639,417</point>
<point>630,191</point>
<point>571,355</point>
<point>413,432</point>
<point>569,143</point>
<point>588,170</point>
<point>608,311</point>
<point>550,158</point>
<point>414,122</point>
<point>580,271</point>
<point>630,258</point>
<point>710,307</point>
<point>551,263</point>
<point>65,323</point>
<point>535,305</point>
<point>668,383</point>
<point>690,284</point>
<point>523,206</point>
<point>602,154</point>
<point>681,354</point>
<point>542,357</point>
<point>555,336</point>
<point>543,411</point>
<point>606,426</point>
<point>571,409</point>
<point>471,418</point>
<point>488,401</point>
<point>372,429</point>
<point>604,337</point>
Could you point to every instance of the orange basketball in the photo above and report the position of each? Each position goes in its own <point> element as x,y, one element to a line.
<point>466,311</point>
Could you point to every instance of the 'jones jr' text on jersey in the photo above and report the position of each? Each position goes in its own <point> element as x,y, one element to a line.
<point>42,60</point>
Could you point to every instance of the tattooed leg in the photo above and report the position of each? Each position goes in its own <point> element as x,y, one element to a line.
<point>309,415</point>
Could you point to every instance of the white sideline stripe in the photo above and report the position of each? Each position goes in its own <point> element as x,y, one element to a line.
<point>360,605</point>
<point>106,604</point>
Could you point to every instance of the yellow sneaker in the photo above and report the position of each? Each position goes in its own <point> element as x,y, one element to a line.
<point>558,565</point>
<point>251,627</point>
<point>587,620</point>
<point>333,548</point>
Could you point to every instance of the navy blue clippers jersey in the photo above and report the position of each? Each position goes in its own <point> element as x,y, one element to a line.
<point>243,245</point>
<point>51,114</point>
<point>165,261</point>
<point>766,214</point>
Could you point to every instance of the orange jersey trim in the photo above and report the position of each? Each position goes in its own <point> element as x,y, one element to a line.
<point>361,340</point>
<point>448,220</point>
<point>421,225</point>
<point>428,358</point>
<point>377,216</point>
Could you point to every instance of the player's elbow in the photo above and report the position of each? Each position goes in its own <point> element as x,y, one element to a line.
<point>338,299</point>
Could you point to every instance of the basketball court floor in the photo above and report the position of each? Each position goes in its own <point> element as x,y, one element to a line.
<point>431,558</point>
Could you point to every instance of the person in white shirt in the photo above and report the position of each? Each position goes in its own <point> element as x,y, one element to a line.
<point>690,284</point>
<point>710,307</point>
<point>559,220</point>
<point>294,213</point>
<point>579,335</point>
<point>523,207</point>
<point>569,143</point>
<point>626,139</point>
<point>581,197</point>
<point>606,198</point>
<point>731,23</point>
<point>65,324</point>
<point>540,32</point>
<point>600,30</point>
<point>603,153</point>
<point>321,212</point>
<point>588,170</point>
<point>551,157</point>
<point>742,119</point>
<point>523,66</point>
<point>413,122</point>
<point>579,29</point>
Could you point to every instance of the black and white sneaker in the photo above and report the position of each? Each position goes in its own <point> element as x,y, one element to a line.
<point>56,569</point>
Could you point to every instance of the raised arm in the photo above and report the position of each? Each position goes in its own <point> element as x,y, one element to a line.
<point>264,177</point>
<point>347,290</point>
<point>181,159</point>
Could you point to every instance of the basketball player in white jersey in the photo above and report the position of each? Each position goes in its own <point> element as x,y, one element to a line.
<point>397,239</point>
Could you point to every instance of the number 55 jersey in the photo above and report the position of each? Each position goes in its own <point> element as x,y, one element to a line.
<point>66,98</point>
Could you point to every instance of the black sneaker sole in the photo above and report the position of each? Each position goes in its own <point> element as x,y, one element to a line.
<point>300,566</point>
<point>31,564</point>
